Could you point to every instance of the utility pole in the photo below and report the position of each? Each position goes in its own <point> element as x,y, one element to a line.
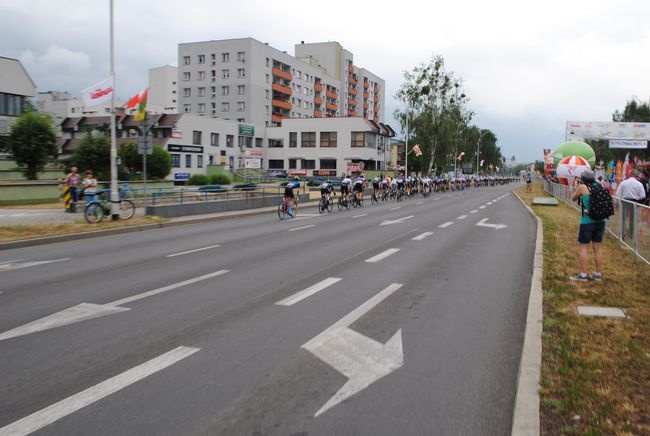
<point>114,192</point>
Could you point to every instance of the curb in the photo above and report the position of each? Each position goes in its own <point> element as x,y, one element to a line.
<point>525,420</point>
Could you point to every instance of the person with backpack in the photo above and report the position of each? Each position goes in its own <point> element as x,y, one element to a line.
<point>596,207</point>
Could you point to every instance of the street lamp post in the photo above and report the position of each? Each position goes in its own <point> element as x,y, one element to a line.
<point>478,152</point>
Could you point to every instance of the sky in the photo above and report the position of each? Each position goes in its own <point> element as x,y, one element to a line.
<point>528,67</point>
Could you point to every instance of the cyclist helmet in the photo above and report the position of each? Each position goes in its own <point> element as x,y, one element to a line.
<point>329,180</point>
<point>296,178</point>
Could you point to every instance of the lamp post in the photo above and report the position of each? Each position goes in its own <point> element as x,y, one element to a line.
<point>478,152</point>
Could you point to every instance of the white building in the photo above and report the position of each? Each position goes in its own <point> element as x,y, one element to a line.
<point>15,87</point>
<point>163,89</point>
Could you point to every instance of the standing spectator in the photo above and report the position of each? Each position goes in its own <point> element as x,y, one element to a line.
<point>90,187</point>
<point>72,181</point>
<point>591,231</point>
<point>632,191</point>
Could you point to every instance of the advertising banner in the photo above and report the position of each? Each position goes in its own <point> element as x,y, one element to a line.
<point>627,143</point>
<point>253,163</point>
<point>607,130</point>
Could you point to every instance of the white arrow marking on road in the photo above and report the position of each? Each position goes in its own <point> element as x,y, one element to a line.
<point>65,407</point>
<point>421,236</point>
<point>361,359</point>
<point>484,223</point>
<point>8,266</point>
<point>305,293</point>
<point>397,221</point>
<point>86,311</point>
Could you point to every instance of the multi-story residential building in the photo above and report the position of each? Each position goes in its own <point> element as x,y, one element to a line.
<point>249,81</point>
<point>163,89</point>
<point>15,87</point>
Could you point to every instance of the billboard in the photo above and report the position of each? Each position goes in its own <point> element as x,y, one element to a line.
<point>581,130</point>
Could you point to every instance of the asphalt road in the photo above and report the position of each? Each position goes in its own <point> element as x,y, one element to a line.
<point>403,318</point>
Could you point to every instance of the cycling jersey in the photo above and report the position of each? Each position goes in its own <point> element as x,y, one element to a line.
<point>288,189</point>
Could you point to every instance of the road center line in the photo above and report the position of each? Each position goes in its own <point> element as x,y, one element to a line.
<point>445,225</point>
<point>359,216</point>
<point>166,288</point>
<point>303,227</point>
<point>382,255</point>
<point>308,292</point>
<point>482,207</point>
<point>421,236</point>
<point>462,217</point>
<point>67,406</point>
<point>473,211</point>
<point>193,251</point>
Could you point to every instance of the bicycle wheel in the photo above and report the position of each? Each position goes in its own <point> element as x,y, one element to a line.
<point>126,209</point>
<point>340,203</point>
<point>94,213</point>
<point>373,199</point>
<point>321,205</point>
<point>282,211</point>
<point>330,206</point>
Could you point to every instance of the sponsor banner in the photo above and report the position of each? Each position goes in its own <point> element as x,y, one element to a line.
<point>253,163</point>
<point>354,168</point>
<point>298,172</point>
<point>627,143</point>
<point>325,172</point>
<point>277,172</point>
<point>99,93</point>
<point>579,130</point>
<point>185,148</point>
<point>253,153</point>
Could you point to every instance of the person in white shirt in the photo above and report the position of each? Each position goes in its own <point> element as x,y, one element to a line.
<point>632,191</point>
<point>90,187</point>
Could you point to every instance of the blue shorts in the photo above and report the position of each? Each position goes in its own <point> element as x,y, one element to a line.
<point>591,232</point>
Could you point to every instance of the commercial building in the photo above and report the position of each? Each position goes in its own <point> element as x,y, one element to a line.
<point>250,82</point>
<point>15,87</point>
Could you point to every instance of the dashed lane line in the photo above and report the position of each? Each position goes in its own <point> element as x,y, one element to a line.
<point>382,255</point>
<point>445,225</point>
<point>308,292</point>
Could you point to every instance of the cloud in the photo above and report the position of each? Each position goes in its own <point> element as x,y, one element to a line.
<point>58,68</point>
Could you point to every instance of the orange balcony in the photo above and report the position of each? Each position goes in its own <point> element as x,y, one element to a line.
<point>276,118</point>
<point>352,80</point>
<point>318,100</point>
<point>352,102</point>
<point>352,91</point>
<point>282,89</point>
<point>330,106</point>
<point>281,104</point>
<point>375,108</point>
<point>366,105</point>
<point>350,68</point>
<point>376,99</point>
<point>282,74</point>
<point>366,84</point>
<point>332,94</point>
<point>318,87</point>
<point>318,114</point>
<point>366,95</point>
<point>352,113</point>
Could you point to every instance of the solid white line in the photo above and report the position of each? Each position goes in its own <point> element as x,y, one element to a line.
<point>462,217</point>
<point>67,406</point>
<point>482,207</point>
<point>445,225</point>
<point>166,288</point>
<point>359,216</point>
<point>305,293</point>
<point>473,211</point>
<point>395,208</point>
<point>382,255</point>
<point>303,227</point>
<point>193,251</point>
<point>421,236</point>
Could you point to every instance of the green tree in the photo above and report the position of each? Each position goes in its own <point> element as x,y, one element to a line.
<point>32,143</point>
<point>93,153</point>
<point>159,163</point>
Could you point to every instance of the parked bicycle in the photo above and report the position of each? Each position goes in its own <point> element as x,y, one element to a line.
<point>96,210</point>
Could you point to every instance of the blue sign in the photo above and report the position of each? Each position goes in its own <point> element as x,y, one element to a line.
<point>181,176</point>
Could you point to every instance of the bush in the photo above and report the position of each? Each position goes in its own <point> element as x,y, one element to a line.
<point>219,179</point>
<point>198,179</point>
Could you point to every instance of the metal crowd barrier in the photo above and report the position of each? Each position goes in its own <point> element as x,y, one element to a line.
<point>630,223</point>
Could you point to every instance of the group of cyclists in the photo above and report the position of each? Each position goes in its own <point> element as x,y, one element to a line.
<point>384,188</point>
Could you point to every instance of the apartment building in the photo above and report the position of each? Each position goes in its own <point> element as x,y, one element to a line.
<point>15,87</point>
<point>248,81</point>
<point>163,89</point>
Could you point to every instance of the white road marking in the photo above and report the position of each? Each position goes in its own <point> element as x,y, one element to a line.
<point>437,198</point>
<point>193,251</point>
<point>303,227</point>
<point>421,236</point>
<point>488,203</point>
<point>482,207</point>
<point>473,211</point>
<point>419,203</point>
<point>462,217</point>
<point>359,216</point>
<point>395,208</point>
<point>308,292</point>
<point>382,255</point>
<point>361,359</point>
<point>445,225</point>
<point>484,223</point>
<point>67,406</point>
<point>397,221</point>
<point>10,266</point>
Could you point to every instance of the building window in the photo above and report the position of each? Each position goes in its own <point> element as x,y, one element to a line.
<point>258,142</point>
<point>328,139</point>
<point>196,137</point>
<point>292,164</point>
<point>268,78</point>
<point>187,76</point>
<point>201,108</point>
<point>214,139</point>
<point>176,160</point>
<point>201,59</point>
<point>328,164</point>
<point>241,106</point>
<point>213,107</point>
<point>308,139</point>
<point>202,91</point>
<point>308,164</point>
<point>187,92</point>
<point>225,90</point>
<point>199,161</point>
<point>276,143</point>
<point>268,110</point>
<point>268,62</point>
<point>276,164</point>
<point>187,108</point>
<point>225,57</point>
<point>268,94</point>
<point>293,139</point>
<point>213,91</point>
<point>201,75</point>
<point>357,139</point>
<point>188,161</point>
<point>241,72</point>
<point>241,56</point>
<point>240,89</point>
<point>230,140</point>
<point>225,107</point>
<point>225,74</point>
<point>186,60</point>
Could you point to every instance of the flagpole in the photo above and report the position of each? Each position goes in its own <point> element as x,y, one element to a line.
<point>406,146</point>
<point>114,193</point>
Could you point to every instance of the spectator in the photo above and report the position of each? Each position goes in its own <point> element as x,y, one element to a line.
<point>591,231</point>
<point>72,181</point>
<point>632,191</point>
<point>90,187</point>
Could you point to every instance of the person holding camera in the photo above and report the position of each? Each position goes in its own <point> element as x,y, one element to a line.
<point>591,231</point>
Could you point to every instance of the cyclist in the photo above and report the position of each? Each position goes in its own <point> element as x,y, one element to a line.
<point>327,190</point>
<point>358,188</point>
<point>376,186</point>
<point>289,195</point>
<point>345,187</point>
<point>400,184</point>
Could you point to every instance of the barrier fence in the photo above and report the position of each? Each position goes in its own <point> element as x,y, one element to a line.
<point>630,223</point>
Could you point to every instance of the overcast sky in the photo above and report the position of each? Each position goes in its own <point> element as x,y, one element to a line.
<point>527,66</point>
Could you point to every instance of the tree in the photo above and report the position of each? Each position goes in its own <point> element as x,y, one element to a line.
<point>93,153</point>
<point>159,163</point>
<point>32,143</point>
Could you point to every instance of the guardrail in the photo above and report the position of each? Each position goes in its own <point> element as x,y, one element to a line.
<point>630,223</point>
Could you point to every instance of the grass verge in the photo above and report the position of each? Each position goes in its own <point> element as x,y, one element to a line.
<point>595,376</point>
<point>18,233</point>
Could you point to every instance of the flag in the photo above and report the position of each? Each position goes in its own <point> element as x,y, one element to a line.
<point>142,105</point>
<point>460,156</point>
<point>417,150</point>
<point>482,163</point>
<point>99,93</point>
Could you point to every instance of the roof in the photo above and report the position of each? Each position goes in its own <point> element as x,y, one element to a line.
<point>14,79</point>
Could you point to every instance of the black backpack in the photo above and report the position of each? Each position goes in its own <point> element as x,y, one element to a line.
<point>601,205</point>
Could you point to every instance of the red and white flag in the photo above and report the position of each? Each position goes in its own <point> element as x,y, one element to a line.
<point>99,93</point>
